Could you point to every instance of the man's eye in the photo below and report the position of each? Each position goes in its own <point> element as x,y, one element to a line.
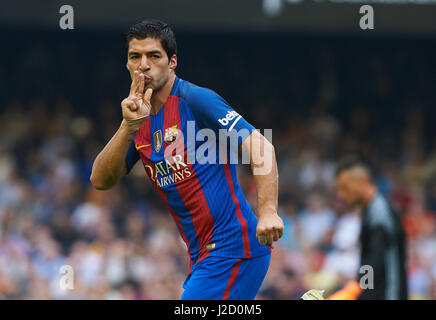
<point>155,56</point>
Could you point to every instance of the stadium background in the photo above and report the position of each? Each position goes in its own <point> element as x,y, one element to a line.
<point>307,71</point>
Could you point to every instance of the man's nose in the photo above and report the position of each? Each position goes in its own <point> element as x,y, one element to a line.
<point>144,63</point>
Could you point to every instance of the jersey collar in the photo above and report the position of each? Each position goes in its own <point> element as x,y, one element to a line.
<point>175,86</point>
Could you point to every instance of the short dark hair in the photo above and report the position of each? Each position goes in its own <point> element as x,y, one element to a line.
<point>350,162</point>
<point>156,29</point>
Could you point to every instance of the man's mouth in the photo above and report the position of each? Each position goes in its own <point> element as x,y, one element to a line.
<point>147,79</point>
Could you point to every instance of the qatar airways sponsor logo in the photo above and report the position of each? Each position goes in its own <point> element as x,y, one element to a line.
<point>169,171</point>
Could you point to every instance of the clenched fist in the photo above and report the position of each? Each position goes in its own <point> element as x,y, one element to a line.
<point>269,229</point>
<point>136,107</point>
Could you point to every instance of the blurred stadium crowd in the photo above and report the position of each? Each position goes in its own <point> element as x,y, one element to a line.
<point>323,98</point>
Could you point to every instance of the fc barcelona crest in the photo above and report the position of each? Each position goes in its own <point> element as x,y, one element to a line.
<point>157,136</point>
<point>171,134</point>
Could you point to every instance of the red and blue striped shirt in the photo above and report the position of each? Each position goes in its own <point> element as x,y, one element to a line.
<point>205,199</point>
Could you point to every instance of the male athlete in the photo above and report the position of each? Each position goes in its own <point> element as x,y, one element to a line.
<point>382,239</point>
<point>229,247</point>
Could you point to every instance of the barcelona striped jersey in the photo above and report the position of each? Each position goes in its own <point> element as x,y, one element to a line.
<point>204,198</point>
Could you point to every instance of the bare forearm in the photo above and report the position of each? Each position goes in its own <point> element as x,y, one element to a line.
<point>267,185</point>
<point>110,166</point>
<point>264,166</point>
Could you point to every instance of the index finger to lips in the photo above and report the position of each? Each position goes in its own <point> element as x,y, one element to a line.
<point>141,85</point>
<point>134,85</point>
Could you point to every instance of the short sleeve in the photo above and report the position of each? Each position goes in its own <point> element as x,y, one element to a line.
<point>211,111</point>
<point>132,155</point>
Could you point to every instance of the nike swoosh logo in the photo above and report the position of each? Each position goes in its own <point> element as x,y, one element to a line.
<point>143,146</point>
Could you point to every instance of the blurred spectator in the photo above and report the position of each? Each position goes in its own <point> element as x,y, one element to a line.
<point>316,222</point>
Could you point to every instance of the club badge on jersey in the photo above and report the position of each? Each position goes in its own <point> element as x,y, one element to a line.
<point>171,134</point>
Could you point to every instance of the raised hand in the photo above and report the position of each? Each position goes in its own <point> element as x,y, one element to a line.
<point>136,107</point>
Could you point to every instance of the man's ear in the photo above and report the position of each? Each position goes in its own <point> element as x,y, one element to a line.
<point>173,62</point>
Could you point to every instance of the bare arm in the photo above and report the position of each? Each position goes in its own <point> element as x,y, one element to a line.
<point>110,165</point>
<point>264,166</point>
